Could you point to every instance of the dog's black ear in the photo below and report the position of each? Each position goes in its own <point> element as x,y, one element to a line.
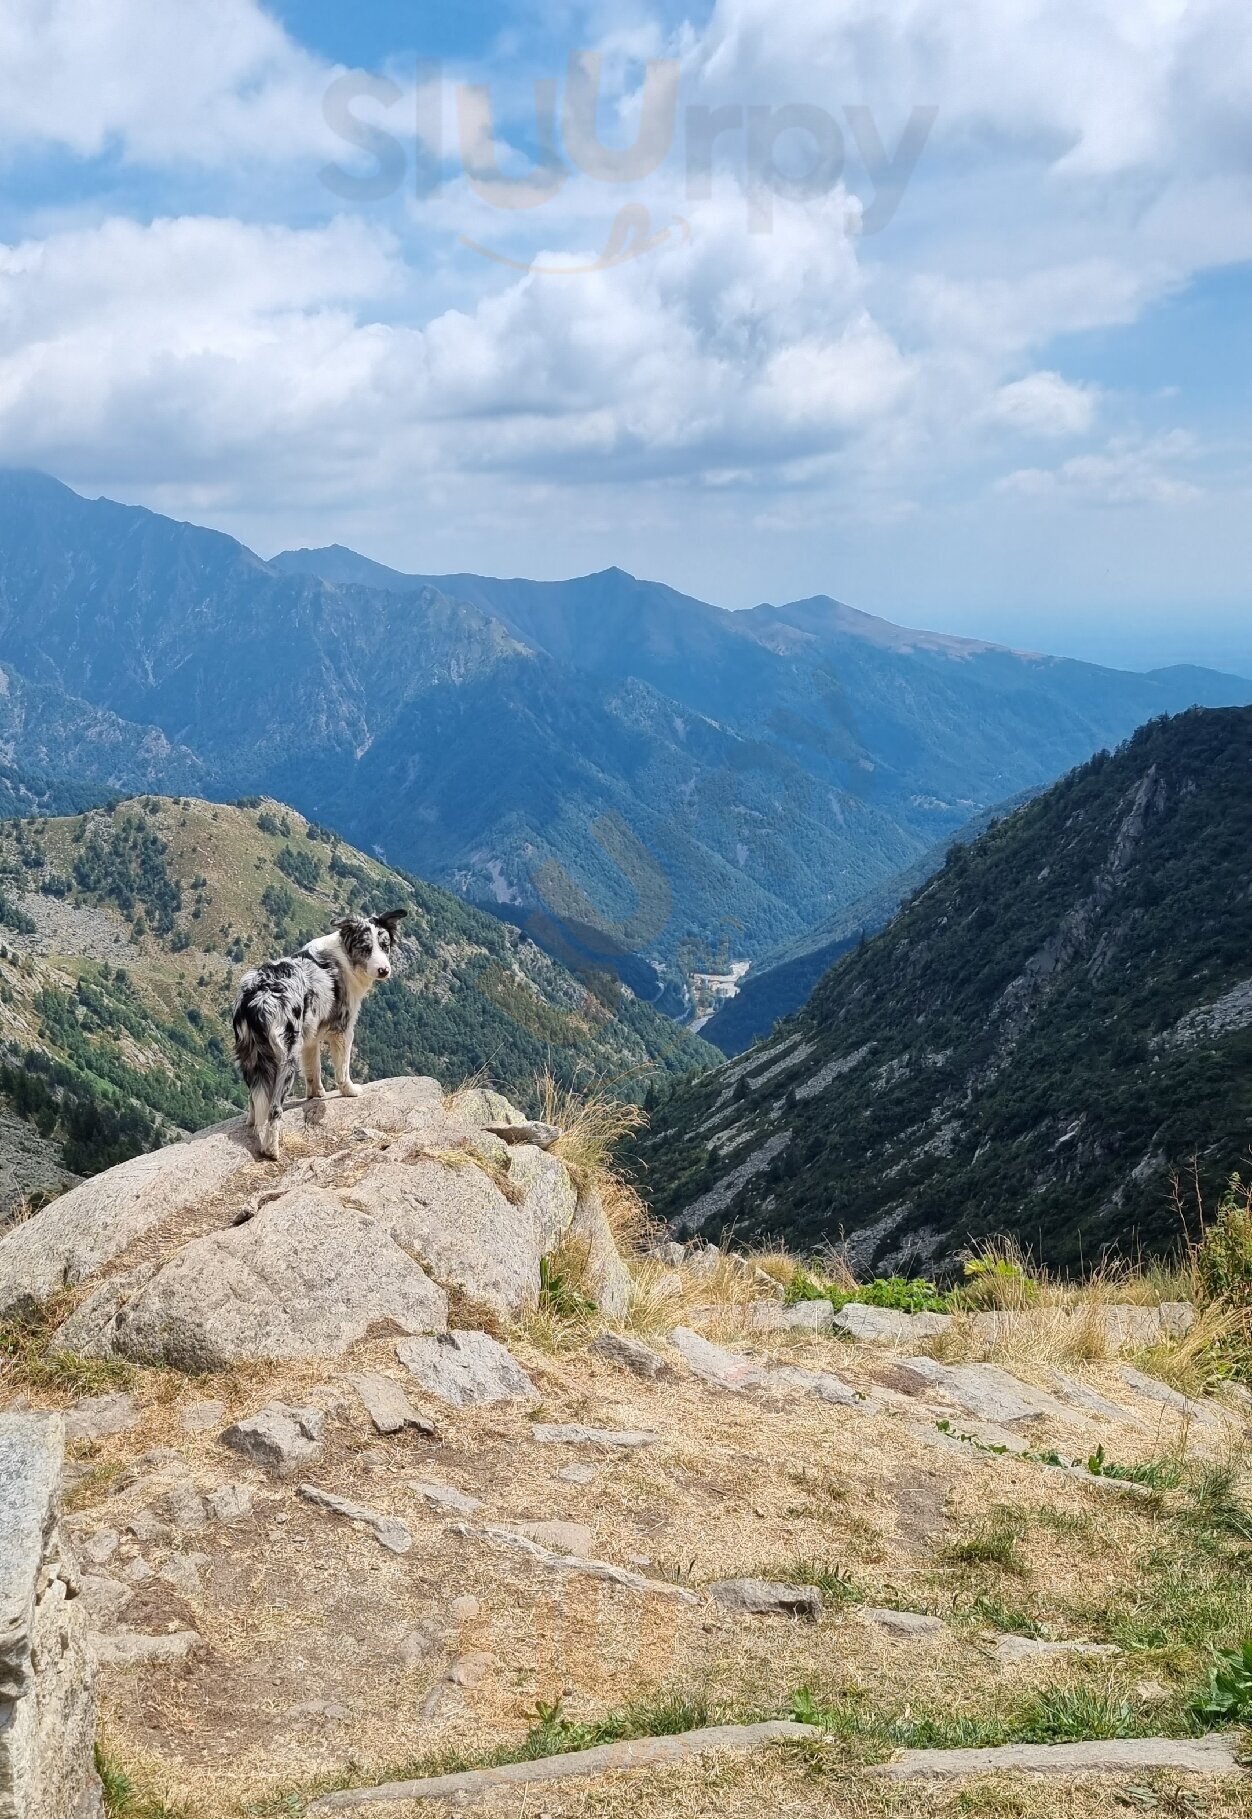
<point>389,919</point>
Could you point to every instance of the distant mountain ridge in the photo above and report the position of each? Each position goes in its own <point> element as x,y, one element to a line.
<point>688,781</point>
<point>1056,1023</point>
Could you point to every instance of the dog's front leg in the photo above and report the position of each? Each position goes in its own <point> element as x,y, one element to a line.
<point>311,1063</point>
<point>341,1057</point>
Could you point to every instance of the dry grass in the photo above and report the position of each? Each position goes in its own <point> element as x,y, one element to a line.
<point>593,1124</point>
<point>1058,1335</point>
<point>1193,1364</point>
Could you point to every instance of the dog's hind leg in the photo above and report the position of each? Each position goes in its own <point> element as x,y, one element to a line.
<point>311,1062</point>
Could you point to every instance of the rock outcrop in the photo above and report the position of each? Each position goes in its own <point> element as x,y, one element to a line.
<point>202,1255</point>
<point>47,1683</point>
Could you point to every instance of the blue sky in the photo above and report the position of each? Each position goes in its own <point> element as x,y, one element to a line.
<point>1004,392</point>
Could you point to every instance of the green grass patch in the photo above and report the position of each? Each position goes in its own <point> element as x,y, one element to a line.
<point>1157,1474</point>
<point>994,1542</point>
<point>124,1799</point>
<point>29,1358</point>
<point>833,1581</point>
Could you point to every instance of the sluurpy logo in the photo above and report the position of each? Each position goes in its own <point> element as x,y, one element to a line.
<point>795,151</point>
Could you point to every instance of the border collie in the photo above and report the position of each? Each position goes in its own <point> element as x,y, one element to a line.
<point>286,1010</point>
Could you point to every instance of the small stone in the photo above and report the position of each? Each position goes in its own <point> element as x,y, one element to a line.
<point>95,1417</point>
<point>102,1598</point>
<point>561,1537</point>
<point>800,1317</point>
<point>387,1405</point>
<point>669,1252</point>
<point>631,1354</point>
<point>417,1647</point>
<point>703,1260</point>
<point>579,1474</point>
<point>467,1369</point>
<point>471,1669</point>
<point>146,1526</point>
<point>577,1435</point>
<point>1211,1755</point>
<point>904,1623</point>
<point>98,1549</point>
<point>230,1502</point>
<point>446,1497</point>
<point>764,1598</point>
<point>278,1437</point>
<point>186,1509</point>
<point>199,1417</point>
<point>464,1609</point>
<point>137,1571</point>
<point>389,1531</point>
<point>1013,1649</point>
<point>131,1648</point>
<point>725,1369</point>
<point>889,1325</point>
<point>182,1571</point>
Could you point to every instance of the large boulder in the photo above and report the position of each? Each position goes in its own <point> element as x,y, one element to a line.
<point>460,1225</point>
<point>78,1234</point>
<point>202,1254</point>
<point>306,1278</point>
<point>47,1682</point>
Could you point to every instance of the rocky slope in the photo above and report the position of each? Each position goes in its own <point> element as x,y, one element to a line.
<point>363,1491</point>
<point>1055,1024</point>
<point>679,776</point>
<point>123,932</point>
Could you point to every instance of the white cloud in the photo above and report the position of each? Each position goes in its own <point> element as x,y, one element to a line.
<point>1084,165</point>
<point>1045,404</point>
<point>1126,473</point>
<point>212,82</point>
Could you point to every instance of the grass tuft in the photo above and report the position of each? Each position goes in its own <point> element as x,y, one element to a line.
<point>30,1360</point>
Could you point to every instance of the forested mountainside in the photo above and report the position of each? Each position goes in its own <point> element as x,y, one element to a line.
<point>24,794</point>
<point>1055,1024</point>
<point>783,981</point>
<point>690,782</point>
<point>124,931</point>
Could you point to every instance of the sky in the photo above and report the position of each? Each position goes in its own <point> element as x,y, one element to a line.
<point>941,307</point>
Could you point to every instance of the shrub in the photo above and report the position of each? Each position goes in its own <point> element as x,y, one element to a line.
<point>1228,1696</point>
<point>1222,1259</point>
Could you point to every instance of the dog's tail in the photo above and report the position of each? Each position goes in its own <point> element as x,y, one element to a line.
<point>263,1040</point>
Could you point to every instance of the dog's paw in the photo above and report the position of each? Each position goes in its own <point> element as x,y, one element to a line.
<point>348,1089</point>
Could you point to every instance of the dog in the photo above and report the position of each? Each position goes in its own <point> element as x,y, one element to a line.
<point>287,1009</point>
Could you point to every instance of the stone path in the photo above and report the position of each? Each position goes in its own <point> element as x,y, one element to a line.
<point>608,1758</point>
<point>1212,1755</point>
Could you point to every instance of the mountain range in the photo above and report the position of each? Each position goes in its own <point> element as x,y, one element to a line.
<point>603,752</point>
<point>1054,1030</point>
